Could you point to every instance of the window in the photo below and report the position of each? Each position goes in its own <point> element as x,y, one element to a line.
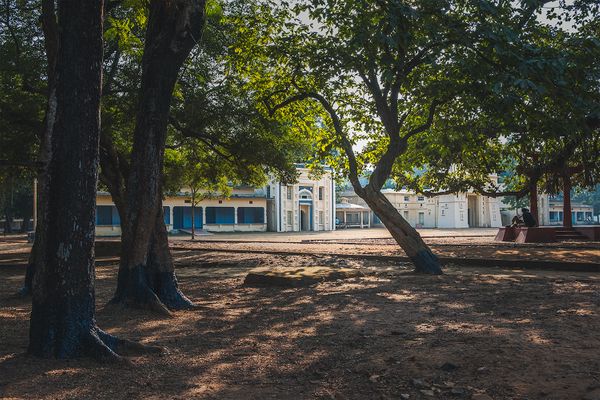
<point>443,212</point>
<point>104,215</point>
<point>182,217</point>
<point>406,198</point>
<point>588,216</point>
<point>220,215</point>
<point>421,198</point>
<point>321,192</point>
<point>321,218</point>
<point>251,215</point>
<point>289,192</point>
<point>406,215</point>
<point>290,218</point>
<point>554,216</point>
<point>421,218</point>
<point>580,216</point>
<point>269,192</point>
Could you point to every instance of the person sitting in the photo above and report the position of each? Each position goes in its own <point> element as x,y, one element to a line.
<point>516,221</point>
<point>528,218</point>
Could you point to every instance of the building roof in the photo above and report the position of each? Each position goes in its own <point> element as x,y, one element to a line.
<point>349,206</point>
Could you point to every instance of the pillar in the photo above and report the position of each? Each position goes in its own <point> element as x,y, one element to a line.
<point>171,219</point>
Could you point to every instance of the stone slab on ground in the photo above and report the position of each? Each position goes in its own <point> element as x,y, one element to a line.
<point>297,277</point>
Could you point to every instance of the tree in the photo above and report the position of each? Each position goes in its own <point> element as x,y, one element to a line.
<point>377,76</point>
<point>207,113</point>
<point>146,272</point>
<point>63,305</point>
<point>534,122</point>
<point>28,99</point>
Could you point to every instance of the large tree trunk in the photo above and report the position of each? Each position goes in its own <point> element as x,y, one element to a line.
<point>63,307</point>
<point>567,218</point>
<point>405,235</point>
<point>146,277</point>
<point>533,201</point>
<point>50,29</point>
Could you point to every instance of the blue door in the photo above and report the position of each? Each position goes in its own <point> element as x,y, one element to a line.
<point>182,217</point>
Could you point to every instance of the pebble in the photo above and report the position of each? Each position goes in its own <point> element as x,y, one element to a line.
<point>448,367</point>
<point>418,383</point>
<point>429,393</point>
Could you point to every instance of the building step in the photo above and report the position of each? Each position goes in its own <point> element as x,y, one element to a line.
<point>570,234</point>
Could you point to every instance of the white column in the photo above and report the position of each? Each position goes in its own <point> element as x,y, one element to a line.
<point>361,219</point>
<point>277,207</point>
<point>171,220</point>
<point>265,215</point>
<point>235,218</point>
<point>203,216</point>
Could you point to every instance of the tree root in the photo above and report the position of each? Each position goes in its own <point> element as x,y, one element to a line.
<point>107,348</point>
<point>128,347</point>
<point>23,292</point>
<point>149,301</point>
<point>172,297</point>
<point>427,263</point>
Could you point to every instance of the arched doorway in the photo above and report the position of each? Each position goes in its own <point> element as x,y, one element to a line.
<point>305,209</point>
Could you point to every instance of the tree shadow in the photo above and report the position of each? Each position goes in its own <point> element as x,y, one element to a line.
<point>364,337</point>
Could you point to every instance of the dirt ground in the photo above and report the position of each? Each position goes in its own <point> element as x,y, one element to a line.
<point>473,333</point>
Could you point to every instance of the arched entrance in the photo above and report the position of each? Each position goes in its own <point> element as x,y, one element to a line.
<point>306,200</point>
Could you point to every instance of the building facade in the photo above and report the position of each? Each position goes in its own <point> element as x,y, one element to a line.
<point>307,205</point>
<point>550,211</point>
<point>462,210</point>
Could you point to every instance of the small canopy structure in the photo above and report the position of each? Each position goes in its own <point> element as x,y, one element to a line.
<point>350,215</point>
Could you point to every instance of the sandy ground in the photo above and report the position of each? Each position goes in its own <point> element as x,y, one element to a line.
<point>470,334</point>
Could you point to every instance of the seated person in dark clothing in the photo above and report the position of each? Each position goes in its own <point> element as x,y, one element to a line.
<point>528,218</point>
<point>516,222</point>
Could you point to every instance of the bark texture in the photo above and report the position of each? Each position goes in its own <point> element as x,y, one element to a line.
<point>146,273</point>
<point>533,201</point>
<point>405,235</point>
<point>567,219</point>
<point>50,29</point>
<point>63,305</point>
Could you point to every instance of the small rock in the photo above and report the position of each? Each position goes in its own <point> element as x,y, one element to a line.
<point>427,392</point>
<point>448,367</point>
<point>481,396</point>
<point>404,396</point>
<point>458,391</point>
<point>482,369</point>
<point>374,378</point>
<point>418,383</point>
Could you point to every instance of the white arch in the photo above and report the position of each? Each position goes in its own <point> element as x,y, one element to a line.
<point>305,194</point>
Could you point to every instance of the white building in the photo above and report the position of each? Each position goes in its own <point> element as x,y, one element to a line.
<point>463,210</point>
<point>307,205</point>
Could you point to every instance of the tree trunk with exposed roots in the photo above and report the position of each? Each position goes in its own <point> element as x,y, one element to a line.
<point>146,273</point>
<point>63,306</point>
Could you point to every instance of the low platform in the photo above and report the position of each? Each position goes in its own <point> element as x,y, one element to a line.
<point>297,277</point>
<point>547,234</point>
